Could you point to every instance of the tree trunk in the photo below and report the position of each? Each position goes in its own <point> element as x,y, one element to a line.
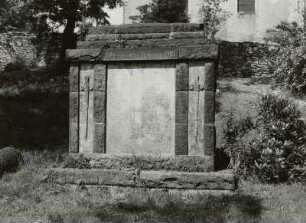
<point>68,42</point>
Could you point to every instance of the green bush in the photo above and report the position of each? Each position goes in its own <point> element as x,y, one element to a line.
<point>277,153</point>
<point>288,58</point>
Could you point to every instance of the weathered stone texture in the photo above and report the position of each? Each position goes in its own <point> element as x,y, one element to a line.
<point>74,107</point>
<point>74,78</point>
<point>117,37</point>
<point>181,139</point>
<point>186,27</point>
<point>99,145</point>
<point>209,107</point>
<point>91,55</point>
<point>74,137</point>
<point>100,77</point>
<point>186,35</point>
<point>224,180</point>
<point>209,139</point>
<point>156,163</point>
<point>140,54</point>
<point>149,43</point>
<point>181,111</point>
<point>210,77</point>
<point>99,108</point>
<point>182,76</point>
<point>198,52</point>
<point>132,29</point>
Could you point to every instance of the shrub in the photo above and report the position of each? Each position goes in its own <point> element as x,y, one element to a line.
<point>288,58</point>
<point>10,159</point>
<point>233,133</point>
<point>278,152</point>
<point>162,11</point>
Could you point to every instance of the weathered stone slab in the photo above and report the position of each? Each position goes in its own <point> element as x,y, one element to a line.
<point>140,54</point>
<point>74,78</point>
<point>209,107</point>
<point>141,108</point>
<point>186,27</point>
<point>100,77</point>
<point>149,43</point>
<point>182,76</point>
<point>186,35</point>
<point>181,139</point>
<point>105,44</point>
<point>183,163</point>
<point>93,177</point>
<point>74,107</point>
<point>88,55</point>
<point>197,181</point>
<point>181,110</point>
<point>102,30</point>
<point>116,37</point>
<point>99,109</point>
<point>196,108</point>
<point>194,53</point>
<point>224,180</point>
<point>132,29</point>
<point>209,139</point>
<point>73,137</point>
<point>210,78</point>
<point>155,52</point>
<point>99,144</point>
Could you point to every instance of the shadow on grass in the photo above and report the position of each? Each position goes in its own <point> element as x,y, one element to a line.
<point>174,208</point>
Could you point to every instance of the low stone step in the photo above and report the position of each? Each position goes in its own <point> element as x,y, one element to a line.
<point>224,180</point>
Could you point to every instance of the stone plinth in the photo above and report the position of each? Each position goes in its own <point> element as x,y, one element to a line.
<point>144,90</point>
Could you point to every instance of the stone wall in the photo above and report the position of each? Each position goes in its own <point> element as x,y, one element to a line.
<point>243,59</point>
<point>21,45</point>
<point>16,45</point>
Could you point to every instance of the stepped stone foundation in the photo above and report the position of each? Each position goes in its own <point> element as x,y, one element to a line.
<point>145,90</point>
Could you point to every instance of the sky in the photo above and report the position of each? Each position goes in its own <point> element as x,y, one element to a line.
<point>116,15</point>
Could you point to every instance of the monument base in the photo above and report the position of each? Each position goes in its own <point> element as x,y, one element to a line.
<point>213,181</point>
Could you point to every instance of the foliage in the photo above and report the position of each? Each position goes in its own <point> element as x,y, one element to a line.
<point>65,13</point>
<point>277,153</point>
<point>233,133</point>
<point>288,57</point>
<point>14,15</point>
<point>162,11</point>
<point>213,16</point>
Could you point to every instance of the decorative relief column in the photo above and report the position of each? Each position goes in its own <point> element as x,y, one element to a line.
<point>74,109</point>
<point>182,101</point>
<point>209,109</point>
<point>99,144</point>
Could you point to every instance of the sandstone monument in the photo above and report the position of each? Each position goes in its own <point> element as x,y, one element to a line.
<point>146,92</point>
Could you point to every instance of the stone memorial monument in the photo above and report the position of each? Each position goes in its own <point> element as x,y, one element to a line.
<point>146,90</point>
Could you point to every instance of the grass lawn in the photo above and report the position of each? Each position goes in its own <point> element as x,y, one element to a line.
<point>25,196</point>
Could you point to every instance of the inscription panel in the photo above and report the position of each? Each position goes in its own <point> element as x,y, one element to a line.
<point>141,108</point>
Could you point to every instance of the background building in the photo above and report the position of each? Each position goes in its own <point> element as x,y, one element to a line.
<point>248,21</point>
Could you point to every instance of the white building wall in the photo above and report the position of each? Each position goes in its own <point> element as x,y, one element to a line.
<point>238,27</point>
<point>251,27</point>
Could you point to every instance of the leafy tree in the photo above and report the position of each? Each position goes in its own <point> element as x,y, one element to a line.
<point>67,12</point>
<point>213,17</point>
<point>162,11</point>
<point>14,15</point>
